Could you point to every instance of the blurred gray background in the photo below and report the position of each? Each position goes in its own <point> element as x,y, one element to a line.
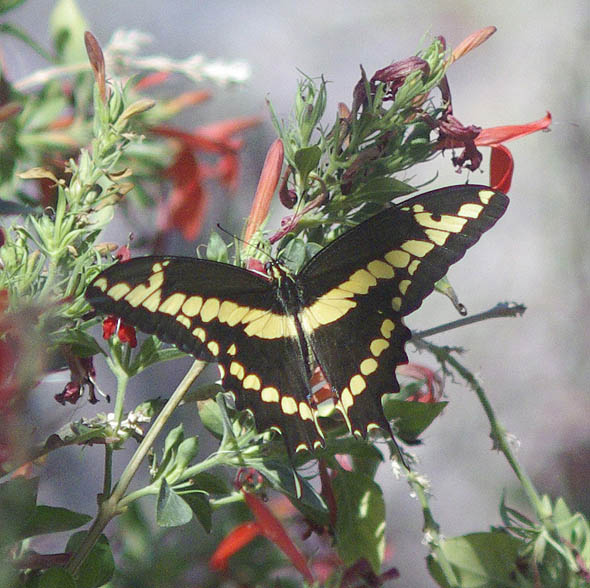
<point>536,368</point>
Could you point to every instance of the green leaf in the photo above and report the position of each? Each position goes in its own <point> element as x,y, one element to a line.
<point>411,418</point>
<point>199,504</point>
<point>56,578</point>
<point>217,249</point>
<point>382,189</point>
<point>53,519</point>
<point>67,27</point>
<point>294,254</point>
<point>98,567</point>
<point>211,417</point>
<point>83,345</point>
<point>210,483</point>
<point>187,451</point>
<point>306,160</point>
<point>18,499</point>
<point>171,509</point>
<point>479,560</point>
<point>301,493</point>
<point>360,526</point>
<point>6,5</point>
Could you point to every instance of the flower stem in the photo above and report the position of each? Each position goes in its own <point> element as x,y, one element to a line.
<point>110,507</point>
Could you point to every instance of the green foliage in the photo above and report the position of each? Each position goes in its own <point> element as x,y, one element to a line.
<point>339,175</point>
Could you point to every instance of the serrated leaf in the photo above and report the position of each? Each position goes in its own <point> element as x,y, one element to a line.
<point>306,160</point>
<point>360,526</point>
<point>171,509</point>
<point>52,519</point>
<point>411,418</point>
<point>98,567</point>
<point>199,504</point>
<point>479,560</point>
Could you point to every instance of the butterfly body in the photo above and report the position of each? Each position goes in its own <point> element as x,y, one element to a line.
<point>342,312</point>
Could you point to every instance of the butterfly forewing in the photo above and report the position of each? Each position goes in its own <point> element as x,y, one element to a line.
<point>356,290</point>
<point>222,313</point>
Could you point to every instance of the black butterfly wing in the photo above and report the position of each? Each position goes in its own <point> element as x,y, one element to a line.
<point>225,314</point>
<point>356,291</point>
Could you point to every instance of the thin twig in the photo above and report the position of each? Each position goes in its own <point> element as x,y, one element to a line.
<point>502,309</point>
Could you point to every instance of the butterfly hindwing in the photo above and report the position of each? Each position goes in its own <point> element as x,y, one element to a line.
<point>222,313</point>
<point>356,290</point>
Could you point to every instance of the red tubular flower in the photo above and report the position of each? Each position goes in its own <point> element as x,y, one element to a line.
<point>125,332</point>
<point>236,540</point>
<point>269,179</point>
<point>454,135</point>
<point>186,206</point>
<point>82,375</point>
<point>266,525</point>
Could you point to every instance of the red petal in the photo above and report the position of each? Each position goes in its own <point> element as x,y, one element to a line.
<point>272,529</point>
<point>269,179</point>
<point>152,79</point>
<point>496,135</point>
<point>185,208</point>
<point>126,334</point>
<point>224,129</point>
<point>501,168</point>
<point>238,538</point>
<point>109,326</point>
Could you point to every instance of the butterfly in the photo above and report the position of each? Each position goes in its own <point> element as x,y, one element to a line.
<point>342,312</point>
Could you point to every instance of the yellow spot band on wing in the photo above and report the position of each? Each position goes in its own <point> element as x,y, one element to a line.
<point>380,269</point>
<point>141,291</point>
<point>439,237</point>
<point>192,306</point>
<point>288,405</point>
<point>101,284</point>
<point>117,291</point>
<point>172,304</point>
<point>237,369</point>
<point>378,346</point>
<point>397,258</point>
<point>269,394</point>
<point>485,196</point>
<point>470,210</point>
<point>210,309</point>
<point>447,222</point>
<point>417,248</point>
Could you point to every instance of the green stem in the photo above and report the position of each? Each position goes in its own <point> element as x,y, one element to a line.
<point>430,527</point>
<point>108,471</point>
<point>110,507</point>
<point>498,433</point>
<point>122,380</point>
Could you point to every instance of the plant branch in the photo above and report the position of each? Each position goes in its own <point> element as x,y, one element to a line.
<point>110,507</point>
<point>502,309</point>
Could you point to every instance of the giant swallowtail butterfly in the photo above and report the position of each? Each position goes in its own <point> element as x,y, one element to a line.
<point>342,312</point>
